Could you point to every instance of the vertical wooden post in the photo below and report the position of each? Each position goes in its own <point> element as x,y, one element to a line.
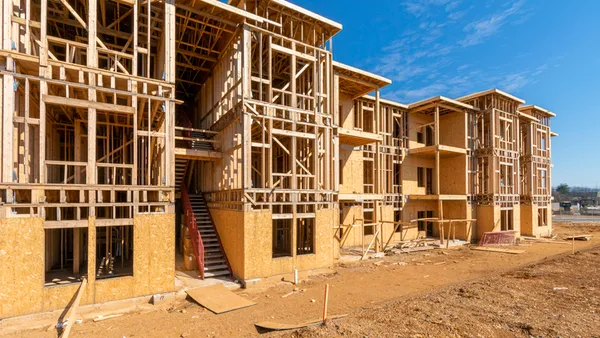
<point>325,302</point>
<point>246,119</point>
<point>8,102</point>
<point>76,250</point>
<point>92,61</point>
<point>170,50</point>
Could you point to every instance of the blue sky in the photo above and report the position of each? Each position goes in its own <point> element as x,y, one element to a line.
<point>546,52</point>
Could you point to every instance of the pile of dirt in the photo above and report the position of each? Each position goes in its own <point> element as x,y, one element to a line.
<point>558,297</point>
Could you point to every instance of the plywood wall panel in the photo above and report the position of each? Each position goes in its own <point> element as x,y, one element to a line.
<point>352,170</point>
<point>21,265</point>
<point>154,253</point>
<point>230,227</point>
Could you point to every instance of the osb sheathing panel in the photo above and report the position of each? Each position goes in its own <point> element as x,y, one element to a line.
<point>488,219</point>
<point>57,297</point>
<point>352,170</point>
<point>110,289</point>
<point>349,216</point>
<point>22,257</point>
<point>410,184</point>
<point>453,175</point>
<point>415,123</point>
<point>21,265</point>
<point>154,256</point>
<point>326,220</point>
<point>459,210</point>
<point>258,258</point>
<point>410,212</point>
<point>517,219</point>
<point>258,251</point>
<point>453,130</point>
<point>528,221</point>
<point>230,227</point>
<point>387,215</point>
<point>346,112</point>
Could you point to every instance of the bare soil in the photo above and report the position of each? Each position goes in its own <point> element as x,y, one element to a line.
<point>545,292</point>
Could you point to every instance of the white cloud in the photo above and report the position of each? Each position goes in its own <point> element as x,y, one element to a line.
<point>412,95</point>
<point>478,31</point>
<point>512,82</point>
<point>423,8</point>
<point>426,61</point>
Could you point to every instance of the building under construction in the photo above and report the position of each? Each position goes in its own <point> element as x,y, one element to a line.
<point>137,133</point>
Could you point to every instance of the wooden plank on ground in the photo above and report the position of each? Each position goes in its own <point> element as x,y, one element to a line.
<point>269,325</point>
<point>73,311</point>
<point>544,240</point>
<point>218,299</point>
<point>586,237</point>
<point>509,251</point>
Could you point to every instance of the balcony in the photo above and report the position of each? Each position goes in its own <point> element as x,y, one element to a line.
<point>195,144</point>
<point>445,151</point>
<point>358,137</point>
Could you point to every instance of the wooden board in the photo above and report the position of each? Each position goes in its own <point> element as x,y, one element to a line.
<point>510,251</point>
<point>218,299</point>
<point>579,237</point>
<point>269,325</point>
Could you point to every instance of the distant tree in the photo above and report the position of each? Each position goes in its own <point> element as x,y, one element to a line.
<point>563,189</point>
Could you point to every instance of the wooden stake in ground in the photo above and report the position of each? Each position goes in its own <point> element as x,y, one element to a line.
<point>573,234</point>
<point>325,302</point>
<point>73,311</point>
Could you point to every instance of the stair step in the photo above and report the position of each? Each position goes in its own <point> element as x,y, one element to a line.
<point>212,250</point>
<point>215,267</point>
<point>216,273</point>
<point>216,260</point>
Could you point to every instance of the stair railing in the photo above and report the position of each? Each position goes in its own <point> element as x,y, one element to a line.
<point>190,221</point>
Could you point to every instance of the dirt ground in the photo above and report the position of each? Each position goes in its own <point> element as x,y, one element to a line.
<point>545,292</point>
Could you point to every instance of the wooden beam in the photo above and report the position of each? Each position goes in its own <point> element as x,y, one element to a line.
<point>76,103</point>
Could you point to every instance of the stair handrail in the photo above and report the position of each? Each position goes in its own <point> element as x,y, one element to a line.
<point>212,222</point>
<point>192,226</point>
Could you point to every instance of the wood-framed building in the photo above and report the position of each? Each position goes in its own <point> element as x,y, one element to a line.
<point>136,131</point>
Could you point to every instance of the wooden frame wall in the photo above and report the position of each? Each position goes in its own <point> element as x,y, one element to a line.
<point>102,78</point>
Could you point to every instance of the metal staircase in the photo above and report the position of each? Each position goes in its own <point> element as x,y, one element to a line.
<point>215,261</point>
<point>197,142</point>
<point>180,169</point>
<point>210,256</point>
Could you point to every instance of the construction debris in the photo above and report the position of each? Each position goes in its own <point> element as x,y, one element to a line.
<point>101,318</point>
<point>218,299</point>
<point>498,238</point>
<point>270,325</point>
<point>579,237</point>
<point>296,290</point>
<point>509,251</point>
